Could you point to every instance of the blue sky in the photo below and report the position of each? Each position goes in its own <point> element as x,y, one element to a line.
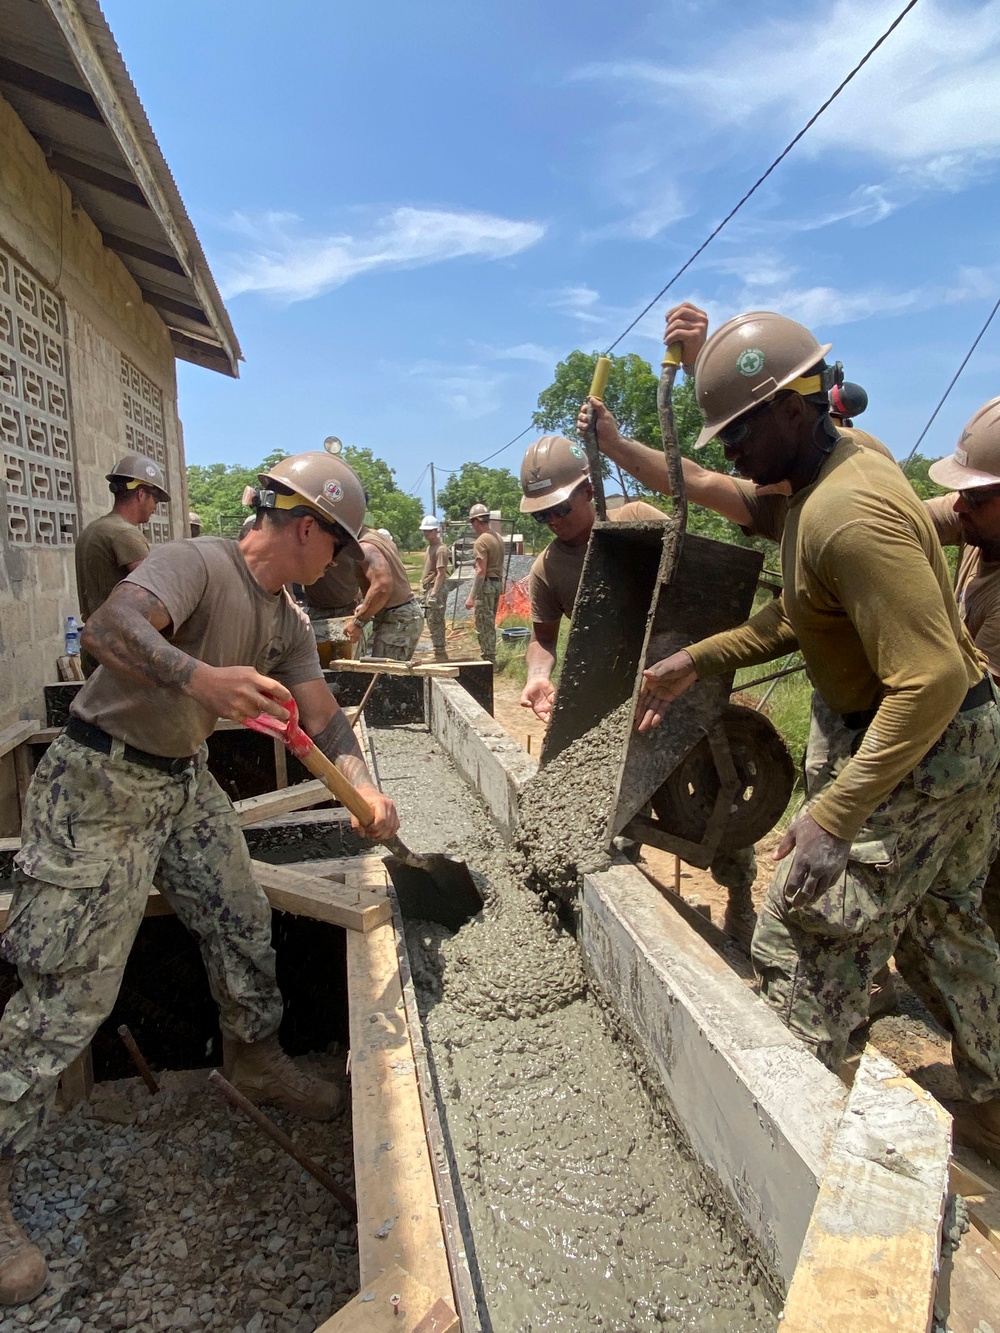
<point>414,211</point>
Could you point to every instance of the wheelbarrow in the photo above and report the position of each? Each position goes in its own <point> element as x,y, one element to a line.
<point>707,776</point>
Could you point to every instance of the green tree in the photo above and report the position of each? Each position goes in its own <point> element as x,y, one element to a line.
<point>495,487</point>
<point>388,506</point>
<point>917,472</point>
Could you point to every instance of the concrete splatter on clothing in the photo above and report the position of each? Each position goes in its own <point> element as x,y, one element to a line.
<point>912,888</point>
<point>395,632</point>
<point>96,831</point>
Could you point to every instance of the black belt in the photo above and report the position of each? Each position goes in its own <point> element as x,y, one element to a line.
<point>96,739</point>
<point>979,694</point>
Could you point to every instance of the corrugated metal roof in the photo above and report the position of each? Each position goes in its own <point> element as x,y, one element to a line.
<point>62,72</point>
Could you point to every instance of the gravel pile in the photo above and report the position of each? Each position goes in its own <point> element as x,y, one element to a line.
<point>174,1212</point>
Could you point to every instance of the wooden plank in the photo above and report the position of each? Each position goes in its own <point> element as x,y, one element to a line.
<point>398,1219</point>
<point>17,733</point>
<point>304,794</point>
<point>356,907</point>
<point>968,1295</point>
<point>76,1082</point>
<point>280,764</point>
<point>366,666</point>
<point>43,735</point>
<point>10,844</point>
<point>306,818</point>
<point>24,768</point>
<point>418,1309</point>
<point>869,1259</point>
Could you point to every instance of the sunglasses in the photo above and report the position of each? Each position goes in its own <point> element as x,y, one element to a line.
<point>556,511</point>
<point>737,431</point>
<point>975,499</point>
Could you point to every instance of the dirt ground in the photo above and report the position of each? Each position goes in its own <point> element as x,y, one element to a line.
<point>907,1034</point>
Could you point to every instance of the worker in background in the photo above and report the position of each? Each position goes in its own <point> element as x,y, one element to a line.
<point>387,600</point>
<point>194,525</point>
<point>433,579</point>
<point>334,597</point>
<point>555,481</point>
<point>111,546</point>
<point>970,518</point>
<point>487,553</point>
<point>202,629</point>
<point>886,855</point>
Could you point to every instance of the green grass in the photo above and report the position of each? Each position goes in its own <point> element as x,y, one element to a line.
<point>510,656</point>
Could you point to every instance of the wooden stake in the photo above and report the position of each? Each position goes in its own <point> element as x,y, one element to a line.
<point>138,1059</point>
<point>677,873</point>
<point>529,742</point>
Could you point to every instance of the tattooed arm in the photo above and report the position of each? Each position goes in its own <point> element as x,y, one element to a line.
<point>324,720</point>
<point>126,634</point>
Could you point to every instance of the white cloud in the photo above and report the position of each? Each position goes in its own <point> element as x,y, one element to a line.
<point>285,264</point>
<point>469,392</point>
<point>541,356</point>
<point>579,301</point>
<point>926,100</point>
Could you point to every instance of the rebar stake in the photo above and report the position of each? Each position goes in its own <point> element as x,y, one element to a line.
<point>235,1098</point>
<point>139,1060</point>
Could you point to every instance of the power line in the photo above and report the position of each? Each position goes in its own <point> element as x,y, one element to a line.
<point>416,485</point>
<point>761,179</point>
<point>954,381</point>
<point>732,213</point>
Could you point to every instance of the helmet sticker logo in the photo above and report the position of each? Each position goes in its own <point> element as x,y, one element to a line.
<point>750,361</point>
<point>961,458</point>
<point>576,451</point>
<point>333,491</point>
<point>535,473</point>
<point>540,485</point>
<point>150,470</point>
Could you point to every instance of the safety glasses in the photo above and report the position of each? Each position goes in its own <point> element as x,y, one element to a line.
<point>981,495</point>
<point>737,431</point>
<point>557,511</point>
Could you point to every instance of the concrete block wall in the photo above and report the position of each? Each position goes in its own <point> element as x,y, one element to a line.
<point>104,318</point>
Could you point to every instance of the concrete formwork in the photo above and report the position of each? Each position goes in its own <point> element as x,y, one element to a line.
<point>773,1126</point>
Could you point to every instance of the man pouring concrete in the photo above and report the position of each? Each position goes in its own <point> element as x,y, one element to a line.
<point>202,629</point>
<point>487,554</point>
<point>885,857</point>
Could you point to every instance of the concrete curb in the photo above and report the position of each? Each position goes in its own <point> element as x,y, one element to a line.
<point>757,1107</point>
<point>486,755</point>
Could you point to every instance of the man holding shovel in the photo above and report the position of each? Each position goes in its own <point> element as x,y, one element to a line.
<point>202,629</point>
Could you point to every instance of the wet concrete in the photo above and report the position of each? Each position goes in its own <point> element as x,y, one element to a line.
<point>583,1210</point>
<point>566,808</point>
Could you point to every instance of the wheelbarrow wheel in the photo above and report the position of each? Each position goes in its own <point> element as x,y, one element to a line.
<point>685,802</point>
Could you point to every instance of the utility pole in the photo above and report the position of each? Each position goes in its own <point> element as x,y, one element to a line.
<point>434,499</point>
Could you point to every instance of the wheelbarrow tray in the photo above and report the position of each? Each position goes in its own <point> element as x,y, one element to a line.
<point>646,591</point>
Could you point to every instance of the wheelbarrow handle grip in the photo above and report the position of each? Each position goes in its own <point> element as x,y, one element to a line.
<point>324,769</point>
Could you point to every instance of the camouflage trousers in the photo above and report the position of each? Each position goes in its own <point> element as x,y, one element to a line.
<point>395,633</point>
<point>911,888</point>
<point>96,830</point>
<point>486,618</point>
<point>434,612</point>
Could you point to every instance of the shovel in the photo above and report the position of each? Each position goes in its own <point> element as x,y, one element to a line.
<point>429,887</point>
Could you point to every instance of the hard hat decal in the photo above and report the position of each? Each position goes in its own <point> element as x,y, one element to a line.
<point>750,361</point>
<point>961,458</point>
<point>576,451</point>
<point>333,491</point>
<point>150,470</point>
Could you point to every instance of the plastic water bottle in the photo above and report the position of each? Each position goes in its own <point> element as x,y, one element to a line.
<point>72,637</point>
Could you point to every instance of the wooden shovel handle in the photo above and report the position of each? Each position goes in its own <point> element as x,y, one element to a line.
<point>321,767</point>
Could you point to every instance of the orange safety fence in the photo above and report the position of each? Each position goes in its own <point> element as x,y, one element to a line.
<point>514,602</point>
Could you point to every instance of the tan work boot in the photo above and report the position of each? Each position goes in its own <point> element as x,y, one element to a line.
<point>264,1073</point>
<point>977,1124</point>
<point>22,1268</point>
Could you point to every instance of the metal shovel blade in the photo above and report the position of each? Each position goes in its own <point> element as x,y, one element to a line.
<point>433,887</point>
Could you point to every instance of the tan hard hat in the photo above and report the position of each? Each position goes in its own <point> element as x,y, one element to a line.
<point>551,470</point>
<point>748,361</point>
<point>142,471</point>
<point>194,520</point>
<point>325,483</point>
<point>976,460</point>
<point>479,511</point>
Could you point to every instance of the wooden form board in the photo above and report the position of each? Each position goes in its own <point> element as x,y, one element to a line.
<point>357,900</point>
<point>870,1255</point>
<point>370,666</point>
<point>417,1309</point>
<point>16,734</point>
<point>398,1220</point>
<point>300,797</point>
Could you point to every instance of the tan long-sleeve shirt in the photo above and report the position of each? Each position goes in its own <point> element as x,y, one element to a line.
<point>867,598</point>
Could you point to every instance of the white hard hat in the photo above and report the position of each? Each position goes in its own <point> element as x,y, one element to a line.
<point>428,522</point>
<point>384,532</point>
